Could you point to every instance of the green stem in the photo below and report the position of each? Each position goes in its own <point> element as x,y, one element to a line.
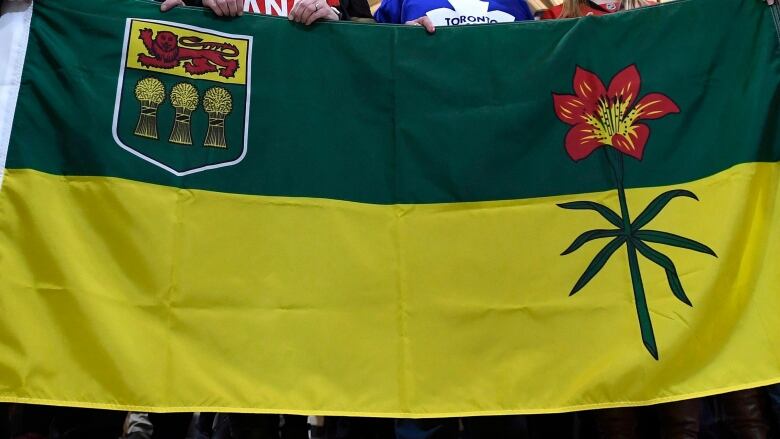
<point>643,314</point>
<point>645,324</point>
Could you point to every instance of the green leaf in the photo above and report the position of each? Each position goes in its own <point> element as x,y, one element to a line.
<point>656,206</point>
<point>673,240</point>
<point>667,264</point>
<point>605,211</point>
<point>589,236</point>
<point>598,263</point>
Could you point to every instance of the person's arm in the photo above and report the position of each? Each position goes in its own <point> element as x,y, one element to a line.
<point>229,8</point>
<point>391,11</point>
<point>309,11</point>
<point>525,12</point>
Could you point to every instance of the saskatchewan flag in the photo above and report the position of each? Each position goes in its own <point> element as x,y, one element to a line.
<point>202,214</point>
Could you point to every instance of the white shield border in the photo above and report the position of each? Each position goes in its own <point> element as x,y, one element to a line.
<point>120,83</point>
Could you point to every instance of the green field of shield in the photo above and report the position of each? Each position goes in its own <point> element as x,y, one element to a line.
<point>155,135</point>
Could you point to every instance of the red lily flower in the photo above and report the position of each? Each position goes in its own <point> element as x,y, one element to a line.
<point>605,117</point>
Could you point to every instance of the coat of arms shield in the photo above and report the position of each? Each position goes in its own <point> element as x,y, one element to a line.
<point>182,99</point>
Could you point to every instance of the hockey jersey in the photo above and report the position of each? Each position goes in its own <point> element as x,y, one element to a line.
<point>453,12</point>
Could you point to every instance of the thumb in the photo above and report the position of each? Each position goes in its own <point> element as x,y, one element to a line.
<point>426,22</point>
<point>169,4</point>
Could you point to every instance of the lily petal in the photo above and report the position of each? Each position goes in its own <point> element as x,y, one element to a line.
<point>634,143</point>
<point>581,140</point>
<point>569,108</point>
<point>588,87</point>
<point>625,85</point>
<point>655,106</point>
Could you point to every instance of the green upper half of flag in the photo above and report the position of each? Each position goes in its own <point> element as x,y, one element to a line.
<point>388,114</point>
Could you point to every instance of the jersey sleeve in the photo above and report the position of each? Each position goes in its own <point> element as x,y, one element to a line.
<point>525,12</point>
<point>389,12</point>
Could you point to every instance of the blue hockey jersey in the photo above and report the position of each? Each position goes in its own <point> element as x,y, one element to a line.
<point>453,12</point>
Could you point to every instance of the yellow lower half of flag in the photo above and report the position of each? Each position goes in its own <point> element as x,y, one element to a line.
<point>120,294</point>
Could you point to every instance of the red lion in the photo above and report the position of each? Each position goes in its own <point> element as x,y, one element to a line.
<point>167,51</point>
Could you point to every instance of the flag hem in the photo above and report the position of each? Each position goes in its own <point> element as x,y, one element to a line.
<point>403,415</point>
<point>14,36</point>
